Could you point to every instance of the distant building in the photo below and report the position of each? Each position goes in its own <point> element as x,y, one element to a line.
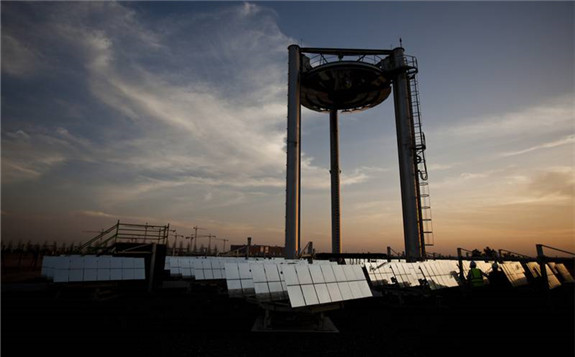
<point>257,250</point>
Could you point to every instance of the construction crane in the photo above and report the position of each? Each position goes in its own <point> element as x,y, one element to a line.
<point>175,241</point>
<point>210,237</point>
<point>224,240</point>
<point>196,228</point>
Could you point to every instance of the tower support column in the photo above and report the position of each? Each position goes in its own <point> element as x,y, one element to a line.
<point>407,161</point>
<point>335,171</point>
<point>293,174</point>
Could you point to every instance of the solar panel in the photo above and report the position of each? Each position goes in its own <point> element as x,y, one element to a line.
<point>379,272</point>
<point>316,274</point>
<point>76,268</point>
<point>404,274</point>
<point>268,283</point>
<point>345,290</point>
<point>565,274</point>
<point>246,282</point>
<point>88,268</point>
<point>198,269</point>
<point>323,262</point>
<point>296,296</point>
<point>439,274</point>
<point>48,267</point>
<point>484,266</point>
<point>309,285</point>
<point>61,269</point>
<point>90,274</point>
<point>515,273</point>
<point>535,270</point>
<point>233,279</point>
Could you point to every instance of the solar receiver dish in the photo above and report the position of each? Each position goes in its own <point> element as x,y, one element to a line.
<point>344,85</point>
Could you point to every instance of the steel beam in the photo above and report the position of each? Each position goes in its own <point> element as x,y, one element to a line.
<point>345,51</point>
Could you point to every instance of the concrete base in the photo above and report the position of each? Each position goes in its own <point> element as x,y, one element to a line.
<point>316,323</point>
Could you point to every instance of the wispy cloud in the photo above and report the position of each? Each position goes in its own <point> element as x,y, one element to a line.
<point>17,58</point>
<point>550,116</point>
<point>555,143</point>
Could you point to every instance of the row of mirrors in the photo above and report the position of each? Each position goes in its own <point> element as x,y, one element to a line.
<point>300,282</point>
<point>88,268</point>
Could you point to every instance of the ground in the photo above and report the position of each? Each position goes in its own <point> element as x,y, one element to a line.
<point>41,318</point>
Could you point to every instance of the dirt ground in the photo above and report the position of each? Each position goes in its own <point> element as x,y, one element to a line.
<point>40,318</point>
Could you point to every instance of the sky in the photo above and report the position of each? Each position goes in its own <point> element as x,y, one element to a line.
<point>175,113</point>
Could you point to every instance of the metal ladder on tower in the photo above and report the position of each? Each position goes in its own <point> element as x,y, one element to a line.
<point>425,220</point>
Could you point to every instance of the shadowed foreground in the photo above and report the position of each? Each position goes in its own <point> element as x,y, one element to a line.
<point>69,321</point>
